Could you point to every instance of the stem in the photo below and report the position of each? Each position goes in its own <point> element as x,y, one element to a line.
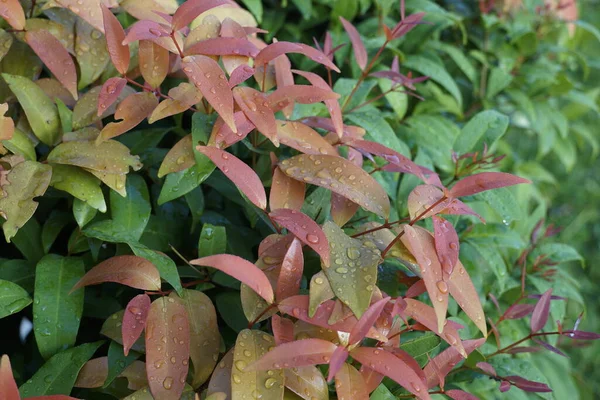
<point>387,225</point>
<point>32,8</point>
<point>518,342</point>
<point>176,44</point>
<point>266,310</point>
<point>379,96</point>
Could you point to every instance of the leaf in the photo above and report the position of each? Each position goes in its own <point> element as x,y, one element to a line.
<point>111,89</point>
<point>57,313</point>
<point>131,214</point>
<point>299,353</point>
<point>349,383</point>
<point>283,329</point>
<point>134,320</point>
<point>240,74</point>
<point>119,364</point>
<point>182,97</point>
<point>303,94</point>
<point>303,138</point>
<point>85,111</point>
<point>255,106</point>
<point>13,13</point>
<point>540,314</point>
<point>286,192</point>
<point>446,360</point>
<point>360,53</point>
<point>133,110</point>
<point>111,328</point>
<point>307,382</point>
<point>13,298</point>
<point>80,184</point>
<point>153,62</point>
<point>167,348</point>
<point>189,10</point>
<point>463,291</point>
<point>220,381</point>
<point>58,374</point>
<point>393,367</point>
<point>338,359</point>
<point>244,178</point>
<point>241,270</point>
<point>204,72</point>
<point>93,374</point>
<point>276,49</point>
<point>223,46</point>
<point>19,143</point>
<point>119,52</point>
<point>51,51</point>
<point>456,394</point>
<point>484,181</point>
<point>320,291</point>
<point>204,334</point>
<point>8,386</point>
<point>435,72</point>
<point>290,275</point>
<point>484,128</point>
<point>446,245</point>
<point>133,271</point>
<point>251,346</point>
<point>403,164</point>
<point>24,182</point>
<point>163,263</point>
<point>367,320</point>
<point>339,176</point>
<point>41,111</point>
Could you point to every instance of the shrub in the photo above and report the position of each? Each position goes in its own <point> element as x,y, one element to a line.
<point>139,144</point>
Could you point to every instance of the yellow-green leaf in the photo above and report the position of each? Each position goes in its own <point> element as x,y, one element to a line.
<point>80,184</point>
<point>85,112</point>
<point>180,157</point>
<point>20,144</point>
<point>91,51</point>
<point>308,382</point>
<point>320,291</point>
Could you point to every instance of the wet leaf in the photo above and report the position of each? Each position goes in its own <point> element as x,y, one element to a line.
<point>446,245</point>
<point>180,157</point>
<point>256,107</point>
<point>134,320</point>
<point>382,238</point>
<point>367,320</point>
<point>242,270</point>
<point>446,360</point>
<point>153,62</point>
<point>340,176</point>
<point>303,94</point>
<point>252,346</point>
<point>286,192</point>
<point>41,112</point>
<point>24,182</point>
<point>540,314</point>
<point>352,272</point>
<point>299,353</point>
<point>349,384</point>
<point>221,46</point>
<point>183,97</point>
<point>111,328</point>
<point>320,291</point>
<point>283,329</point>
<point>278,48</point>
<point>360,53</point>
<point>461,288</point>
<point>401,163</point>
<point>121,365</point>
<point>133,271</point>
<point>303,138</point>
<point>80,184</point>
<point>85,111</point>
<point>133,110</point>
<point>484,181</point>
<point>220,381</point>
<point>307,382</point>
<point>93,374</point>
<point>119,52</point>
<point>167,348</point>
<point>111,89</point>
<point>240,74</point>
<point>91,51</point>
<point>8,386</point>
<point>189,10</point>
<point>56,313</point>
<point>290,275</point>
<point>90,11</point>
<point>305,229</point>
<point>204,334</point>
<point>13,298</point>
<point>12,12</point>
<point>338,359</point>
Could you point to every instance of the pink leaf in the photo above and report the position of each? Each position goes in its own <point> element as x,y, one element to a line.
<point>119,52</point>
<point>303,94</point>
<point>256,107</point>
<point>190,9</point>
<point>12,12</point>
<point>8,386</point>
<point>303,138</point>
<point>393,157</point>
<point>360,53</point>
<point>111,89</point>
<point>222,136</point>
<point>527,385</point>
<point>504,386</point>
<point>548,346</point>
<point>145,30</point>
<point>409,361</point>
<point>487,368</point>
<point>278,48</point>
<point>283,329</point>
<point>518,311</point>
<point>407,24</point>
<point>134,320</point>
<point>338,358</point>
<point>300,353</point>
<point>240,74</point>
<point>456,394</point>
<point>484,181</point>
<point>541,312</point>
<point>242,270</point>
<point>223,46</point>
<point>417,289</point>
<point>444,362</point>
<point>286,192</point>
<point>461,288</point>
<point>393,367</point>
<point>581,335</point>
<point>204,72</point>
<point>305,229</point>
<point>132,111</point>
<point>133,271</point>
<point>290,275</point>
<point>240,174</point>
<point>366,321</point>
<point>54,55</point>
<point>446,244</point>
<point>284,77</point>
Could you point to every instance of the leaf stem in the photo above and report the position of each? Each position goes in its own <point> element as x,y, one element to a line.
<point>266,310</point>
<point>518,342</point>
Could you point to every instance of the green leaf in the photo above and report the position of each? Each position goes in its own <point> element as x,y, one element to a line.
<point>398,99</point>
<point>164,264</point>
<point>131,214</point>
<point>497,82</point>
<point>13,298</point>
<point>20,144</point>
<point>181,183</point>
<point>27,180</point>
<point>20,272</point>
<point>195,202</point>
<point>29,241</point>
<point>316,205</point>
<point>504,203</point>
<point>54,224</point>
<point>305,8</point>
<point>66,116</point>
<point>213,240</point>
<point>83,212</point>
<point>111,328</point>
<point>118,362</point>
<point>230,309</point>
<point>40,110</point>
<point>558,253</point>
<point>382,393</point>
<point>459,59</point>
<point>486,127</point>
<point>436,72</point>
<point>255,7</point>
<point>421,346</point>
<point>56,313</point>
<point>378,130</point>
<point>80,184</point>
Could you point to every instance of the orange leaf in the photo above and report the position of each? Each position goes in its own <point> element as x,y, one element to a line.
<point>393,367</point>
<point>367,320</point>
<point>240,174</point>
<point>153,62</point>
<point>463,291</point>
<point>222,136</point>
<point>12,12</point>
<point>342,209</point>
<point>371,377</point>
<point>290,275</point>
<point>134,320</point>
<point>340,176</point>
<point>296,354</point>
<point>132,111</point>
<point>145,30</point>
<point>111,89</point>
<point>54,55</point>
<point>182,97</point>
<point>484,181</point>
<point>303,94</point>
<point>8,386</point>
<point>305,229</point>
<point>119,52</point>
<point>444,362</point>
<point>278,48</point>
<point>204,72</point>
<point>256,107</point>
<point>446,244</point>
<point>307,382</point>
<point>303,138</point>
<point>349,384</point>
<point>242,270</point>
<point>133,271</point>
<point>190,9</point>
<point>93,374</point>
<point>240,74</point>
<point>283,329</point>
<point>284,77</point>
<point>167,348</point>
<point>286,192</point>
<point>360,53</point>
<point>223,46</point>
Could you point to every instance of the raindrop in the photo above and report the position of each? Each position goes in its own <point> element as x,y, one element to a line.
<point>168,383</point>
<point>270,382</point>
<point>442,286</point>
<point>310,238</point>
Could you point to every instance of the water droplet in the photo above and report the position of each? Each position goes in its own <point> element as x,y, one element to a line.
<point>341,270</point>
<point>168,383</point>
<point>240,365</point>
<point>310,238</point>
<point>319,281</point>
<point>237,379</point>
<point>442,286</point>
<point>353,253</point>
<point>270,382</point>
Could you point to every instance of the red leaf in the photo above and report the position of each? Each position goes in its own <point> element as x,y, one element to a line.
<point>349,384</point>
<point>305,229</point>
<point>223,46</point>
<point>393,367</point>
<point>8,386</point>
<point>111,89</point>
<point>296,354</point>
<point>119,52</point>
<point>461,288</point>
<point>366,321</point>
<point>54,55</point>
<point>190,9</point>
<point>487,368</point>
<point>338,358</point>
<point>456,394</point>
<point>372,378</point>
<point>240,74</point>
<point>581,335</point>
<point>286,192</point>
<point>278,48</point>
<point>290,275</point>
<point>360,53</point>
<point>204,72</point>
<point>446,244</point>
<point>527,385</point>
<point>256,107</point>
<point>145,30</point>
<point>518,311</point>
<point>484,181</point>
<point>444,362</point>
<point>504,386</point>
<point>408,360</point>
<point>407,24</point>
<point>222,136</point>
<point>12,12</point>
<point>240,174</point>
<point>303,138</point>
<point>548,346</point>
<point>541,312</point>
<point>132,111</point>
<point>284,77</point>
<point>393,157</point>
<point>303,94</point>
<point>417,289</point>
<point>352,132</point>
<point>133,271</point>
<point>283,329</point>
<point>242,270</point>
<point>167,348</point>
<point>134,320</point>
